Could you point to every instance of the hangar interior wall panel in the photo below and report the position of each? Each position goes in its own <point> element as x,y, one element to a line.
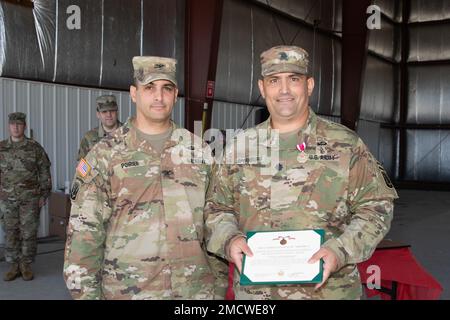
<point>386,41</point>
<point>379,91</point>
<point>428,91</point>
<point>429,95</point>
<point>116,68</point>
<point>387,151</point>
<point>381,143</point>
<point>57,117</point>
<point>232,116</point>
<point>380,97</point>
<point>428,158</point>
<point>391,8</point>
<point>329,12</point>
<point>42,46</point>
<point>429,42</point>
<point>248,30</point>
<point>78,53</point>
<point>20,46</point>
<point>429,10</point>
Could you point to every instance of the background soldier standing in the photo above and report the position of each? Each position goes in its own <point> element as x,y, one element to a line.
<point>25,184</point>
<point>107,110</point>
<point>326,179</point>
<point>136,224</point>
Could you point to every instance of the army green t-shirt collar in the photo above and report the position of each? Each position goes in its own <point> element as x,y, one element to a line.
<point>133,138</point>
<point>306,135</point>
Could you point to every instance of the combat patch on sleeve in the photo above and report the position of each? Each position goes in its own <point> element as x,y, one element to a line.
<point>75,188</point>
<point>385,176</point>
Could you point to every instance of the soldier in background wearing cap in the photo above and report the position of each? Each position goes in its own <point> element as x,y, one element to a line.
<point>136,224</point>
<point>25,184</point>
<point>326,178</point>
<point>107,114</point>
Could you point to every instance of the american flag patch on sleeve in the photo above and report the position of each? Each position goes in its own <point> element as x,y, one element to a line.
<point>83,168</point>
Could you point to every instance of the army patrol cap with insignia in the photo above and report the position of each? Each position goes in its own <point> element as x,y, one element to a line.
<point>148,69</point>
<point>17,117</point>
<point>281,59</point>
<point>107,103</point>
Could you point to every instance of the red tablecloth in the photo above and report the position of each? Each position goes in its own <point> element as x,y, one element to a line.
<point>396,264</point>
<point>399,264</point>
<point>230,292</point>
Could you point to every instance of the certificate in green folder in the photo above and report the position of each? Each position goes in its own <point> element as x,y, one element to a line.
<point>281,257</point>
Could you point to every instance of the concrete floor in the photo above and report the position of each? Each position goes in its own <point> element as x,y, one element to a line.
<point>48,283</point>
<point>422,219</point>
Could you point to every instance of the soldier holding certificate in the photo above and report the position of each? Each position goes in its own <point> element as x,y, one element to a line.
<point>324,178</point>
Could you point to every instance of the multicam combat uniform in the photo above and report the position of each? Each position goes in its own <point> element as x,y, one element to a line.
<point>339,187</point>
<point>24,180</point>
<point>136,226</point>
<point>90,139</point>
<point>106,102</point>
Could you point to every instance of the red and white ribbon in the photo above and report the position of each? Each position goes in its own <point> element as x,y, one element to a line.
<point>301,147</point>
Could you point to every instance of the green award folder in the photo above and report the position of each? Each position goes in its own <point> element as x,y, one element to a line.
<point>281,257</point>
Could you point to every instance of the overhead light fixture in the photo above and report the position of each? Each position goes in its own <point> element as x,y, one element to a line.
<point>23,3</point>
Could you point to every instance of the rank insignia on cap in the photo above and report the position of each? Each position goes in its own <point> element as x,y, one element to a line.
<point>83,168</point>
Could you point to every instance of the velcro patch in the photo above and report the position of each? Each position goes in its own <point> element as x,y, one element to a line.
<point>132,164</point>
<point>385,176</point>
<point>324,157</point>
<point>129,164</point>
<point>83,168</point>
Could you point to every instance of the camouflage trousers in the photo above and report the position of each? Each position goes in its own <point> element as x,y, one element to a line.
<point>20,224</point>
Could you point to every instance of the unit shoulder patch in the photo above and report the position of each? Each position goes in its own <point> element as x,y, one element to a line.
<point>385,176</point>
<point>75,188</point>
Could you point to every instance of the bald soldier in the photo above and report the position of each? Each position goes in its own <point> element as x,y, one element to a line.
<point>136,224</point>
<point>107,115</point>
<point>325,178</point>
<point>25,184</point>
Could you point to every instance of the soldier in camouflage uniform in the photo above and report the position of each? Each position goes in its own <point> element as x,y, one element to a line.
<point>136,225</point>
<point>25,184</point>
<point>325,178</point>
<point>107,115</point>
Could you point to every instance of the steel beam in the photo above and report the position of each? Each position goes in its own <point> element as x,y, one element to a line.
<point>404,83</point>
<point>354,56</point>
<point>203,23</point>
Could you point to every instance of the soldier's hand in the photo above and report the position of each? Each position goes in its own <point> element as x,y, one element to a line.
<point>237,248</point>
<point>330,263</point>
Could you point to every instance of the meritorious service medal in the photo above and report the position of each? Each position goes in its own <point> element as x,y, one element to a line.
<point>302,156</point>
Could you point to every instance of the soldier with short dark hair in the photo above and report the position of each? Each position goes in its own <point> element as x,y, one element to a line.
<point>25,184</point>
<point>107,110</point>
<point>325,178</point>
<point>136,224</point>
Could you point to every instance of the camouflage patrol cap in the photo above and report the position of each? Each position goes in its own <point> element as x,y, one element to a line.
<point>284,59</point>
<point>107,103</point>
<point>17,117</point>
<point>148,69</point>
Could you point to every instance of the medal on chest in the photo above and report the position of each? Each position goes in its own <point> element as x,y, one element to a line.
<point>302,156</point>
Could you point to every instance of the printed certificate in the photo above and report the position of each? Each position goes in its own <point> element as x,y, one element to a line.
<point>281,257</point>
